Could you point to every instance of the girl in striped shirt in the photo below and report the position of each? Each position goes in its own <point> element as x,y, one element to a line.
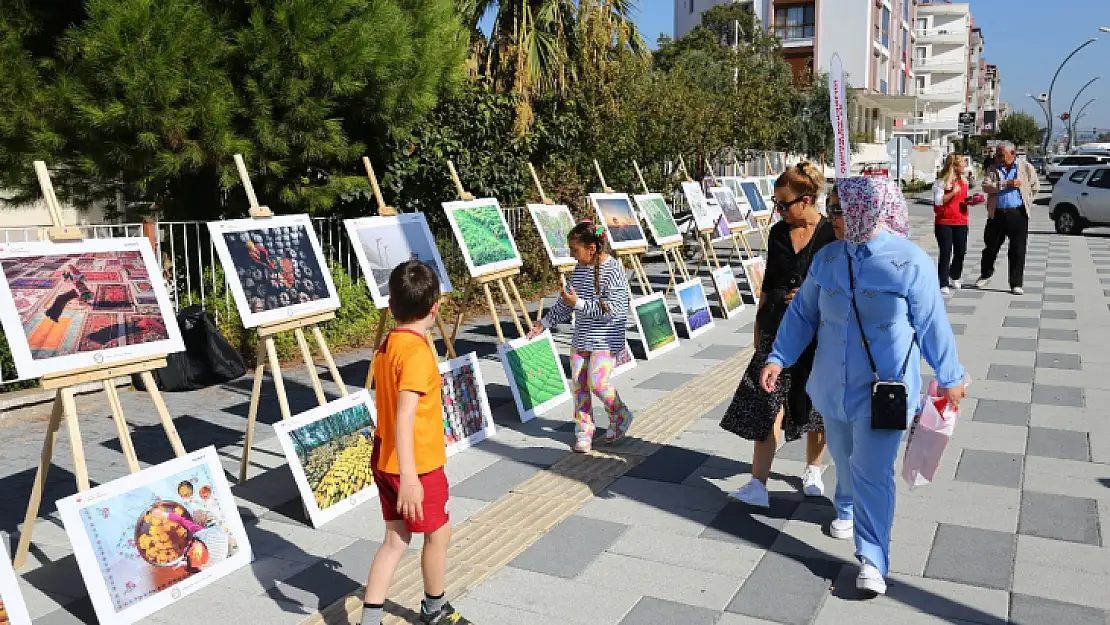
<point>597,295</point>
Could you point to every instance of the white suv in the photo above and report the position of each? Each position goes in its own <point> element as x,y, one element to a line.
<point>1081,200</point>
<point>1059,166</point>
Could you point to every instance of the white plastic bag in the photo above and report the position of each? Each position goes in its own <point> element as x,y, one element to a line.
<point>928,438</point>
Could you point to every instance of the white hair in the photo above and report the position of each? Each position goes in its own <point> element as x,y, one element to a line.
<point>1007,145</point>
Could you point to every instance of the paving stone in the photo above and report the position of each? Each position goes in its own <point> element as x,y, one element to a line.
<point>1028,610</point>
<point>718,352</point>
<point>993,468</point>
<point>1059,517</point>
<point>1059,361</point>
<point>1057,314</point>
<point>1010,373</point>
<point>1002,412</point>
<point>1024,305</point>
<point>968,555</point>
<point>1058,395</point>
<point>1063,444</point>
<point>1054,334</point>
<point>1059,285</point>
<point>958,329</point>
<point>663,581</point>
<point>748,525</point>
<point>666,381</point>
<point>968,294</point>
<point>669,464</point>
<point>1058,299</point>
<point>1016,345</point>
<point>688,552</point>
<point>494,481</point>
<point>323,583</point>
<point>960,310</point>
<point>547,595</point>
<point>1034,290</point>
<point>767,595</point>
<point>569,547</point>
<point>1021,322</point>
<point>652,611</point>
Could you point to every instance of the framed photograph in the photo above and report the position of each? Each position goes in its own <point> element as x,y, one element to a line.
<point>755,198</point>
<point>727,291</point>
<point>554,223</point>
<point>67,306</point>
<point>148,539</point>
<point>754,268</point>
<point>13,609</point>
<point>483,234</point>
<point>730,208</point>
<point>535,375</point>
<point>625,362</point>
<point>467,418</point>
<point>328,449</point>
<point>653,320</point>
<point>766,186</point>
<point>695,307</point>
<point>275,268</point>
<point>621,222</point>
<point>382,243</point>
<point>659,218</point>
<point>722,231</point>
<point>699,206</point>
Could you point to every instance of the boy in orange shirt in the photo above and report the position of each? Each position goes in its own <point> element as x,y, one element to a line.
<point>409,451</point>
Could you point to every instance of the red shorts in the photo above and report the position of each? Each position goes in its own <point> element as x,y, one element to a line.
<point>435,498</point>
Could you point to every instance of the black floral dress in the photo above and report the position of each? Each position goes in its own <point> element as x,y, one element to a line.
<point>751,414</point>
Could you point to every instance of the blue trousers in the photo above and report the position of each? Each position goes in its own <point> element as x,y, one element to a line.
<point>865,484</point>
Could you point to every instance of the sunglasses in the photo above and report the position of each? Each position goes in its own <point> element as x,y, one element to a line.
<point>782,207</point>
<point>834,210</point>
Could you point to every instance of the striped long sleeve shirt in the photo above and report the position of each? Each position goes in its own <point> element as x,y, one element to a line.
<point>595,330</point>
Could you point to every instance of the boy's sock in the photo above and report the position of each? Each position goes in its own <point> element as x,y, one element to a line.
<point>432,604</point>
<point>371,614</point>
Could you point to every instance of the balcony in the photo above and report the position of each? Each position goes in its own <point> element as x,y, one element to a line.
<point>941,94</point>
<point>930,8</point>
<point>954,36</point>
<point>941,65</point>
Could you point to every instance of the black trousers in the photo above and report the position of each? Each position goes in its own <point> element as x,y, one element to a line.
<point>952,241</point>
<point>1006,224</point>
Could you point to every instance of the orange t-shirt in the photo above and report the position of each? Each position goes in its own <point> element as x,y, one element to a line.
<point>406,363</point>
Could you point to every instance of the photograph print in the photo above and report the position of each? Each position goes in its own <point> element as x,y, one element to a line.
<point>381,243</point>
<point>13,609</point>
<point>466,413</point>
<point>699,206</point>
<point>728,291</point>
<point>695,307</point>
<point>67,306</point>
<point>625,361</point>
<point>621,222</point>
<point>535,375</point>
<point>730,208</point>
<point>554,223</point>
<point>275,268</point>
<point>753,271</point>
<point>145,540</point>
<point>659,218</point>
<point>754,197</point>
<point>484,236</point>
<point>653,319</point>
<point>328,449</point>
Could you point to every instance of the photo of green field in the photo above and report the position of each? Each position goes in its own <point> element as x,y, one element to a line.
<point>658,216</point>
<point>484,235</point>
<point>655,323</point>
<point>536,373</point>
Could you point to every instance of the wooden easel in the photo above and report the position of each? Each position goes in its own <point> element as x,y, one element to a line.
<point>705,237</point>
<point>65,407</point>
<point>562,269</point>
<point>500,277</point>
<point>384,314</point>
<point>267,350</point>
<point>737,233</point>
<point>671,251</point>
<point>632,254</point>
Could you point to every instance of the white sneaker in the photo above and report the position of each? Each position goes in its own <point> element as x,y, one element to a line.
<point>1017,290</point>
<point>842,529</point>
<point>982,283</point>
<point>870,580</point>
<point>945,291</point>
<point>754,493</point>
<point>812,484</point>
<point>957,285</point>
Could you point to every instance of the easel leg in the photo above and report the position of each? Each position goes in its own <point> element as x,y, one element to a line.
<point>275,372</point>
<point>462,314</point>
<point>163,413</point>
<point>492,312</point>
<point>520,302</point>
<point>680,264</point>
<point>309,362</point>
<point>40,481</point>
<point>512,308</point>
<point>322,345</point>
<point>252,415</point>
<point>125,443</point>
<point>448,344</point>
<point>645,282</point>
<point>712,251</point>
<point>377,343</point>
<point>69,405</point>
<point>670,271</point>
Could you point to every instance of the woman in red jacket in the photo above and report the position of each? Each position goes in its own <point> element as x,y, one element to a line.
<point>951,221</point>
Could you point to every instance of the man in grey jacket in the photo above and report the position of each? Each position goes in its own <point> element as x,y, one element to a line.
<point>1010,186</point>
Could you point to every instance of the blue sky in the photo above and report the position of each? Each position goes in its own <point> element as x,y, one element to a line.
<point>1026,39</point>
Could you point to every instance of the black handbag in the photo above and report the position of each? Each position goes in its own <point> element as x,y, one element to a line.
<point>889,398</point>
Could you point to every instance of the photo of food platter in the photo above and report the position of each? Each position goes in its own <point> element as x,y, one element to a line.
<point>13,609</point>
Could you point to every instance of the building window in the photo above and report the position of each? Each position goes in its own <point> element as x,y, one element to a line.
<point>906,10</point>
<point>922,24</point>
<point>921,54</point>
<point>904,84</point>
<point>882,87</point>
<point>794,22</point>
<point>886,27</point>
<point>920,83</point>
<point>691,6</point>
<point>905,40</point>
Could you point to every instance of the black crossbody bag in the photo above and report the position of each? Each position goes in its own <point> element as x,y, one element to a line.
<point>889,399</point>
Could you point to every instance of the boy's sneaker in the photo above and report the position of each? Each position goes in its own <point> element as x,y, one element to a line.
<point>754,493</point>
<point>812,484</point>
<point>445,616</point>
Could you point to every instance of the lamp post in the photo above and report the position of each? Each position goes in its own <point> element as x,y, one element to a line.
<point>1048,133</point>
<point>1078,116</point>
<point>1071,121</point>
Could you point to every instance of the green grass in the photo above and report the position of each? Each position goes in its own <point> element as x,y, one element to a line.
<point>554,229</point>
<point>487,241</point>
<point>656,324</point>
<point>538,375</point>
<point>662,223</point>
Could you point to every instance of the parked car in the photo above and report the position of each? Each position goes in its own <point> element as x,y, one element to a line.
<point>1038,163</point>
<point>1058,166</point>
<point>1081,199</point>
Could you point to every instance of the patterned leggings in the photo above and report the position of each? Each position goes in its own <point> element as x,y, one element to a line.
<point>590,371</point>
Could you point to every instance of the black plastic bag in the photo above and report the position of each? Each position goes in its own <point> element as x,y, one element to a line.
<point>208,359</point>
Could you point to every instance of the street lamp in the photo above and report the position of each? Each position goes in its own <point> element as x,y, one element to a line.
<point>1079,116</point>
<point>1048,133</point>
<point>1071,122</point>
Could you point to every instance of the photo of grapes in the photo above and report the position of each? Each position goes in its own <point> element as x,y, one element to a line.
<point>535,373</point>
<point>334,453</point>
<point>483,234</point>
<point>554,223</point>
<point>659,218</point>
<point>655,323</point>
<point>277,267</point>
<point>465,408</point>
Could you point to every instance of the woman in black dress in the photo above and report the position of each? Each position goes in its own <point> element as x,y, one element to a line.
<point>754,413</point>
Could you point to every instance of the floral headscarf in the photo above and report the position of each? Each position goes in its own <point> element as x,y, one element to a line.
<point>871,203</point>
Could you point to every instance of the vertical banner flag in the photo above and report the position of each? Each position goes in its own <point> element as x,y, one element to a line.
<point>842,151</point>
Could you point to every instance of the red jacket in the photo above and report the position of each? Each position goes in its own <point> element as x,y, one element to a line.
<point>954,211</point>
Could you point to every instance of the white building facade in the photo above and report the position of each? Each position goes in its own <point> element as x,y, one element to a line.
<point>941,60</point>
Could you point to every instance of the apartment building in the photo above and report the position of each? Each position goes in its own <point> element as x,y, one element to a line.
<point>992,100</point>
<point>946,50</point>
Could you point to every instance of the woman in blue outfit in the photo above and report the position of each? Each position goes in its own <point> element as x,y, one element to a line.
<point>901,314</point>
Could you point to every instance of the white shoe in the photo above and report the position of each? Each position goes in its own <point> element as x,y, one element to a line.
<point>982,283</point>
<point>945,291</point>
<point>754,493</point>
<point>812,484</point>
<point>956,285</point>
<point>1017,290</point>
<point>870,580</point>
<point>842,529</point>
